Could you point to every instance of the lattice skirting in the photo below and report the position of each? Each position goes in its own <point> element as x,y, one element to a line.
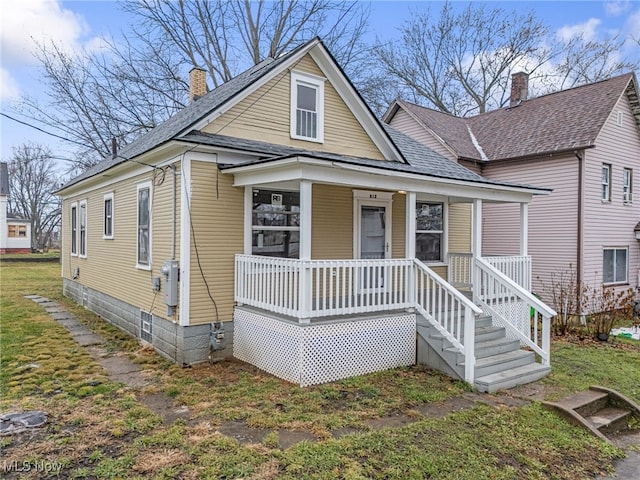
<point>519,315</point>
<point>319,353</point>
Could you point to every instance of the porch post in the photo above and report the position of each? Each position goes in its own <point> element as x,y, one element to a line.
<point>524,229</point>
<point>476,243</point>
<point>305,251</point>
<point>410,246</point>
<point>248,220</point>
<point>410,241</point>
<point>476,228</point>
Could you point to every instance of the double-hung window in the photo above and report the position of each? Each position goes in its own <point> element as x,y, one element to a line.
<point>74,228</point>
<point>627,186</point>
<point>82,227</point>
<point>429,231</point>
<point>107,220</point>
<point>276,223</point>
<point>17,230</point>
<point>307,107</point>
<point>615,265</point>
<point>144,225</point>
<point>606,182</point>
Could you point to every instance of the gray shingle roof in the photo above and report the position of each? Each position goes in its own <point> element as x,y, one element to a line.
<point>563,120</point>
<point>189,115</point>
<point>421,160</point>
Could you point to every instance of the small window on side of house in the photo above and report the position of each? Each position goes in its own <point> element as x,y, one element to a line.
<point>82,227</point>
<point>74,228</point>
<point>615,265</point>
<point>627,186</point>
<point>307,107</point>
<point>619,118</point>
<point>107,232</point>
<point>606,182</point>
<point>143,256</point>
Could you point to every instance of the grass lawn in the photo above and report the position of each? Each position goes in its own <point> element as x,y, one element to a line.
<point>101,429</point>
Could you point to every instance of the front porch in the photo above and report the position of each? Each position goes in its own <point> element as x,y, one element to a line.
<point>315,321</point>
<point>342,262</point>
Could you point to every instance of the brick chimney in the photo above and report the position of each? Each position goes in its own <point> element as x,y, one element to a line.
<point>519,88</point>
<point>197,83</point>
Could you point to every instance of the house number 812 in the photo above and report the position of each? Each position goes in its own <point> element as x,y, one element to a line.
<point>373,195</point>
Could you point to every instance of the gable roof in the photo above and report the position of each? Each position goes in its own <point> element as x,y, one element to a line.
<point>565,120</point>
<point>198,112</point>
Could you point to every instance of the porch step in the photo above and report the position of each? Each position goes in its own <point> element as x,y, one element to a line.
<point>602,411</point>
<point>502,362</point>
<point>482,334</point>
<point>489,348</point>
<point>511,378</point>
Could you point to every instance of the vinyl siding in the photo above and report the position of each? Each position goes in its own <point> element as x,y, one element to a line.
<point>612,224</point>
<point>217,213</point>
<point>110,266</point>
<point>265,115</point>
<point>553,218</point>
<point>398,220</point>
<point>459,228</point>
<point>405,123</point>
<point>332,222</point>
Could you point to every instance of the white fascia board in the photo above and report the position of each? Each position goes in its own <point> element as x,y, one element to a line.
<point>352,99</point>
<point>206,120</point>
<point>296,168</point>
<point>160,157</point>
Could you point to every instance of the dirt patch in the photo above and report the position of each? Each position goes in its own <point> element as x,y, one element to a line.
<point>243,433</point>
<point>163,406</point>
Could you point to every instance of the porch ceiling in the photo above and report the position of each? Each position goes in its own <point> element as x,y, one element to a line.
<point>288,171</point>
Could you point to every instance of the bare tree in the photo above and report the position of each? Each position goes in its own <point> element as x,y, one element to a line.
<point>131,86</point>
<point>585,61</point>
<point>460,63</point>
<point>32,180</point>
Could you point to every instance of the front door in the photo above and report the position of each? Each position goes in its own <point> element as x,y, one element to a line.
<point>373,235</point>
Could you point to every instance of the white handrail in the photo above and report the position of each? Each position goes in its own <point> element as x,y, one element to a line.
<point>516,267</point>
<point>449,311</point>
<point>517,309</point>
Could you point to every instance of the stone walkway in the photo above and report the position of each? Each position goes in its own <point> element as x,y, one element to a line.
<point>117,365</point>
<point>121,369</point>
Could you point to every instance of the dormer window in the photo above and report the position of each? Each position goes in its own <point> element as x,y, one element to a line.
<point>307,107</point>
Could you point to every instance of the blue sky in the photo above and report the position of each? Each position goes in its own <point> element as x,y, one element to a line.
<point>80,24</point>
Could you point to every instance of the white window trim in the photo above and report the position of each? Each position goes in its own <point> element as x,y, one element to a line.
<point>608,184</point>
<point>443,262</point>
<point>82,244</point>
<point>624,282</point>
<point>314,82</point>
<point>627,190</point>
<point>108,196</point>
<point>142,186</point>
<point>73,206</point>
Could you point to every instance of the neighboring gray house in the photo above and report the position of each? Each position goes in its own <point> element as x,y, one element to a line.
<point>584,143</point>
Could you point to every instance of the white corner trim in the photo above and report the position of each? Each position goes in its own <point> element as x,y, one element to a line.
<point>185,240</point>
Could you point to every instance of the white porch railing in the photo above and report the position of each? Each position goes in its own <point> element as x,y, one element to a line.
<point>307,289</point>
<point>449,311</point>
<point>516,267</point>
<point>521,313</point>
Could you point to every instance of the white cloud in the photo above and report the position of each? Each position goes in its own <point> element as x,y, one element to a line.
<point>30,21</point>
<point>587,30</point>
<point>632,25</point>
<point>615,8</point>
<point>9,89</point>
